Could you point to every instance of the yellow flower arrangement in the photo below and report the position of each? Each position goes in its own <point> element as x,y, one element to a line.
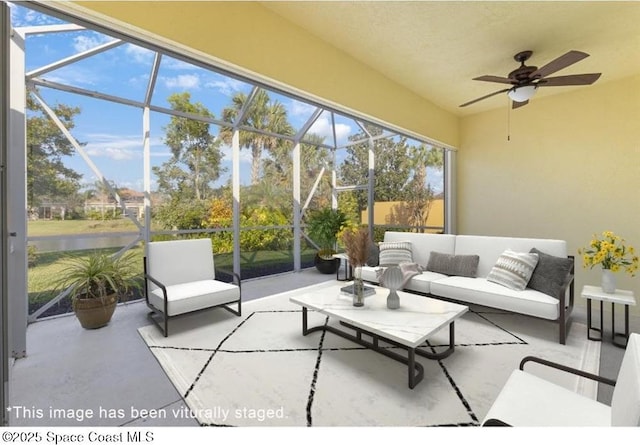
<point>611,253</point>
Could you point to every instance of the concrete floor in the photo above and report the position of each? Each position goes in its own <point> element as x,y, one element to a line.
<point>106,377</point>
<point>109,372</point>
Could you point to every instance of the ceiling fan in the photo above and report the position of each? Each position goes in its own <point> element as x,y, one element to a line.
<point>525,80</point>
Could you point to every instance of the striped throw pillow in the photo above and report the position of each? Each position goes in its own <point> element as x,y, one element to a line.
<point>394,253</point>
<point>513,269</point>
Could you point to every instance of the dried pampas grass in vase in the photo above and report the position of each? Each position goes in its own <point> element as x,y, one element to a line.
<point>356,243</point>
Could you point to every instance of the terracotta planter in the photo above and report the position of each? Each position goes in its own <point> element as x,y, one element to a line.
<point>93,313</point>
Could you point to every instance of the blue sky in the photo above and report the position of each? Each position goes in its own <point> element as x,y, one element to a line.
<point>113,132</point>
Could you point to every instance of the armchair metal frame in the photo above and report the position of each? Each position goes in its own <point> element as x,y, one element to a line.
<point>161,318</point>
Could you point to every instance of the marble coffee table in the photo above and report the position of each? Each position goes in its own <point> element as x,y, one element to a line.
<point>407,327</point>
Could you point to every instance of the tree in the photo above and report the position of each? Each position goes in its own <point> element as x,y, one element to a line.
<point>47,176</point>
<point>278,171</point>
<point>391,166</point>
<point>196,156</point>
<point>419,193</point>
<point>262,114</point>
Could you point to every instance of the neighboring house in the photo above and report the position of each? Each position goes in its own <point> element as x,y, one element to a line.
<point>133,202</point>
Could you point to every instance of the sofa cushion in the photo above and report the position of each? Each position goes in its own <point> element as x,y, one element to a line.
<point>550,273</point>
<point>513,269</point>
<point>459,265</point>
<point>394,253</point>
<point>370,274</point>
<point>189,297</point>
<point>419,283</point>
<point>486,293</point>
<point>422,283</point>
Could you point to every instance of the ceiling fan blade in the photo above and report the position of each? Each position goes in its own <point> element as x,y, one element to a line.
<point>495,79</point>
<point>485,97</point>
<point>515,104</point>
<point>561,62</point>
<point>575,79</point>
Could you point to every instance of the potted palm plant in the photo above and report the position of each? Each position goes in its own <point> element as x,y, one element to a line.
<point>323,226</point>
<point>95,284</point>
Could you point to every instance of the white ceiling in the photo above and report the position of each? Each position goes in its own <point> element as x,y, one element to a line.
<point>435,48</point>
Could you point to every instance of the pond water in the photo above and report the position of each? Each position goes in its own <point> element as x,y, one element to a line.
<point>56,244</point>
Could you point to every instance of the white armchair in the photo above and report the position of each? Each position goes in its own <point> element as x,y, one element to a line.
<point>527,400</point>
<point>180,278</point>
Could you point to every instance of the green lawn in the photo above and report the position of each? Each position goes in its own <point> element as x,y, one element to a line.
<point>41,277</point>
<point>71,227</point>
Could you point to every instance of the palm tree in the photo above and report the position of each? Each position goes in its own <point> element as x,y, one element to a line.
<point>420,194</point>
<point>263,114</point>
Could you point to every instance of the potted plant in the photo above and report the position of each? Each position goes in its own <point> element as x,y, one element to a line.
<point>323,226</point>
<point>95,284</point>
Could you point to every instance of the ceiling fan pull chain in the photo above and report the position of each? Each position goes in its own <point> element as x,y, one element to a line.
<point>508,120</point>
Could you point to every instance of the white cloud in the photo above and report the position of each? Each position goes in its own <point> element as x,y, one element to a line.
<point>226,86</point>
<point>178,65</point>
<point>138,54</point>
<point>301,109</point>
<point>27,17</point>
<point>116,147</point>
<point>73,75</point>
<point>322,127</point>
<point>188,81</point>
<point>85,42</point>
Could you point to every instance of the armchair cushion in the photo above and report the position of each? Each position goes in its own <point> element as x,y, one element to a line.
<point>193,296</point>
<point>625,402</point>
<point>528,400</point>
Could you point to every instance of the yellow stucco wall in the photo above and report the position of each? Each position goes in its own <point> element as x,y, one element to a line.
<point>247,35</point>
<point>383,211</point>
<point>571,169</point>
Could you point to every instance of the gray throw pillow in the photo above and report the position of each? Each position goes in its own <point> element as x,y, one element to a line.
<point>550,273</point>
<point>458,265</point>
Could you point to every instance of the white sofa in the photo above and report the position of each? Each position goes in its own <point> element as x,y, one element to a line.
<point>478,290</point>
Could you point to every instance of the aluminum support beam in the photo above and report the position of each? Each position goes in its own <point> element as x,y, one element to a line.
<point>371,187</point>
<point>146,150</point>
<point>235,180</point>
<point>297,225</point>
<point>17,200</point>
<point>4,143</point>
<point>450,192</point>
<point>75,58</point>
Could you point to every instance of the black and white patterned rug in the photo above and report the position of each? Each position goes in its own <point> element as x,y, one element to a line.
<point>260,370</point>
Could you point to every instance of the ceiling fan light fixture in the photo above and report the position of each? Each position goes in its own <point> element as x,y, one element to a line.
<point>522,94</point>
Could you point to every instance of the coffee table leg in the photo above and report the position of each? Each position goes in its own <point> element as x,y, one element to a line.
<point>447,352</point>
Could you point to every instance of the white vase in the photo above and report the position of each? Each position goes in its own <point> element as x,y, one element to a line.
<point>608,281</point>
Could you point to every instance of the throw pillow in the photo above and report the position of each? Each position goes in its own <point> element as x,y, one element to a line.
<point>513,269</point>
<point>458,265</point>
<point>394,253</point>
<point>374,255</point>
<point>550,273</point>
